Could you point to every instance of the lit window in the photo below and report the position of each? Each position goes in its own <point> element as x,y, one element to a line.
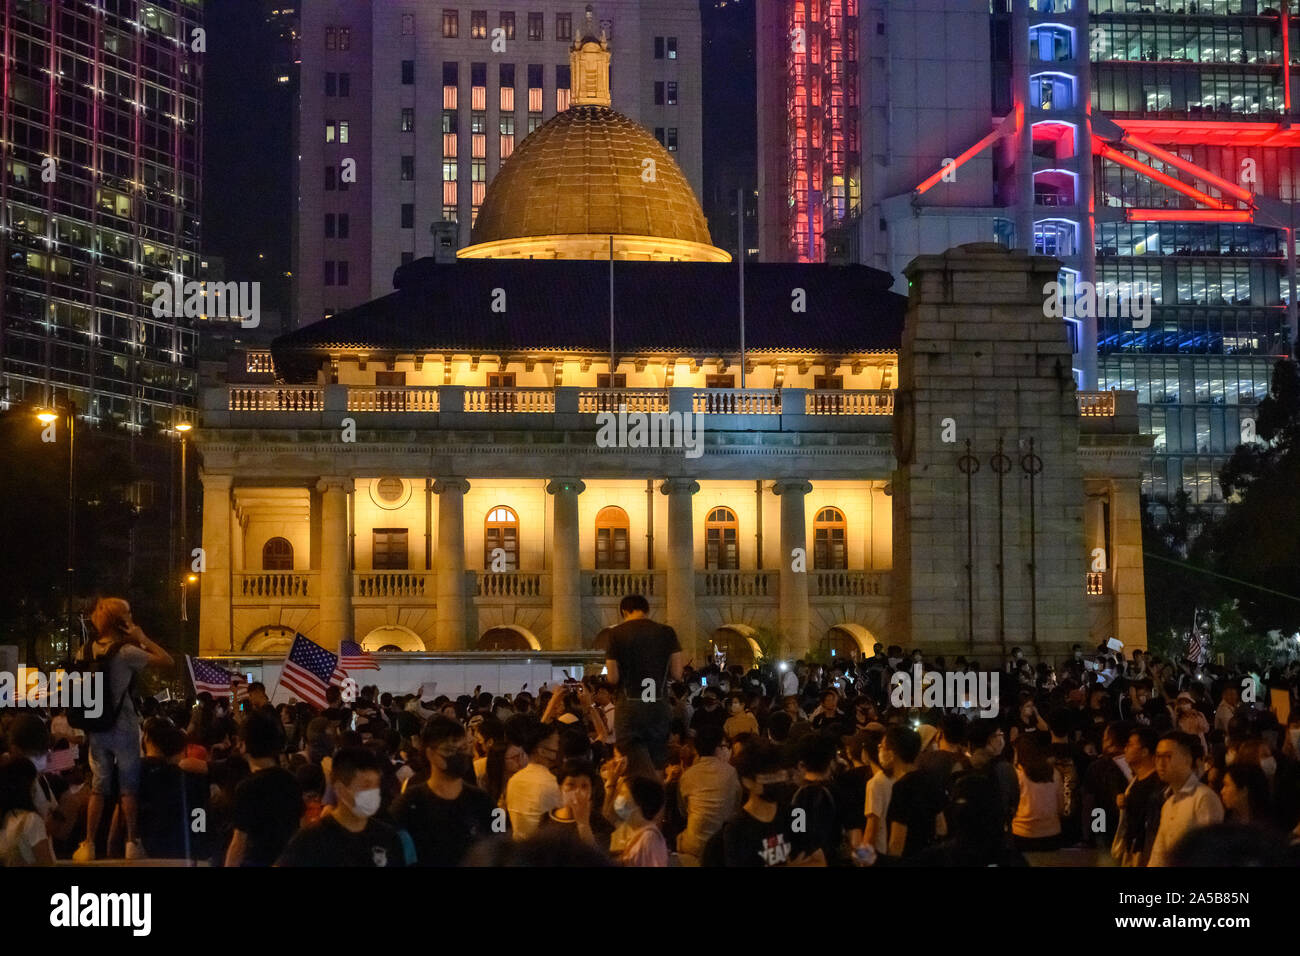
<point>478,25</point>
<point>536,26</point>
<point>450,23</point>
<point>721,541</point>
<point>501,539</point>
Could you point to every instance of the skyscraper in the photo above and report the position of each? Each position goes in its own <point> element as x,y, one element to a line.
<point>408,110</point>
<point>1146,145</point>
<point>100,200</point>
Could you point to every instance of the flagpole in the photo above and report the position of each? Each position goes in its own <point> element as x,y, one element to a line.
<point>740,250</point>
<point>612,370</point>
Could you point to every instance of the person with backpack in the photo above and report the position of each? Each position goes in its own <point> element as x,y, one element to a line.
<point>120,652</point>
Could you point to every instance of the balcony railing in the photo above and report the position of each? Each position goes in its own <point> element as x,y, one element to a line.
<point>393,584</point>
<point>277,398</point>
<point>1097,404</point>
<point>525,400</point>
<point>736,583</point>
<point>392,399</point>
<point>735,401</point>
<point>508,584</point>
<point>839,402</point>
<point>276,585</point>
<point>850,584</point>
<point>259,363</point>
<point>610,584</point>
<point>622,399</point>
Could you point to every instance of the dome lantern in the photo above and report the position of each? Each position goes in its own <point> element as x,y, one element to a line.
<point>589,66</point>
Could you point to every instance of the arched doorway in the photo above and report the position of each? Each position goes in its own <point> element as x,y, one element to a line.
<point>842,641</point>
<point>271,639</point>
<point>737,642</point>
<point>508,637</point>
<point>392,637</point>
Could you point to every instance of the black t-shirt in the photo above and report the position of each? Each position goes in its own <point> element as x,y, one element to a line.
<point>329,843</point>
<point>642,649</point>
<point>1146,797</point>
<point>850,789</point>
<point>443,830</point>
<point>746,841</point>
<point>916,800</point>
<point>164,817</point>
<point>268,807</point>
<point>821,821</point>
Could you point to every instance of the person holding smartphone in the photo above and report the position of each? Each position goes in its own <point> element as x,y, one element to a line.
<point>125,650</point>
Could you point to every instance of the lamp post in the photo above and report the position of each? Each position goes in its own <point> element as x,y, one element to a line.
<point>184,428</point>
<point>49,417</point>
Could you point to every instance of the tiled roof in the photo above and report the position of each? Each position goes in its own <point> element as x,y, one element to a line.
<point>686,308</point>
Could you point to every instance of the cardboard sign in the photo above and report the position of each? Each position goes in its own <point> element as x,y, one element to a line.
<point>1115,644</point>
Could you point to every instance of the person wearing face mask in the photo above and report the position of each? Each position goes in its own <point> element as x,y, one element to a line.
<point>708,710</point>
<point>446,816</point>
<point>350,836</point>
<point>578,785</point>
<point>637,840</point>
<point>29,738</point>
<point>739,720</point>
<point>985,742</point>
<point>762,833</point>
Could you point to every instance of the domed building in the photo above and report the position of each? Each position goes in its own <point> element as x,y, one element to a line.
<point>588,179</point>
<point>798,463</point>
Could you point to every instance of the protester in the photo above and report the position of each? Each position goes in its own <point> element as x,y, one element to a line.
<point>350,835</point>
<point>1188,802</point>
<point>122,650</point>
<point>641,658</point>
<point>446,816</point>
<point>268,805</point>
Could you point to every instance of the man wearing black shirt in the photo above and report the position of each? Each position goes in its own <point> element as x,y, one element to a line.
<point>350,836</point>
<point>917,800</point>
<point>762,834</point>
<point>1141,802</point>
<point>821,822</point>
<point>268,804</point>
<point>445,816</point>
<point>641,658</point>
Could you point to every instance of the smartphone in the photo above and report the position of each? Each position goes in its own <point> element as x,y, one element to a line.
<point>354,720</point>
<point>704,682</point>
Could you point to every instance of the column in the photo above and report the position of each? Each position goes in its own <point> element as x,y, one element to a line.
<point>335,571</point>
<point>1126,573</point>
<point>214,582</point>
<point>796,621</point>
<point>566,573</point>
<point>449,631</point>
<point>681,563</point>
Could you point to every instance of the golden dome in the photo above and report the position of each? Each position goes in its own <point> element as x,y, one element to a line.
<point>582,177</point>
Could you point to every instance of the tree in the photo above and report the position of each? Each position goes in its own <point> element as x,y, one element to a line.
<point>1257,541</point>
<point>1175,546</point>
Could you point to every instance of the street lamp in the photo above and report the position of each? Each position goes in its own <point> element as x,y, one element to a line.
<point>47,417</point>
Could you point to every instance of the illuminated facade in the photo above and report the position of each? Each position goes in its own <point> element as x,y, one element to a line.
<point>496,452</point>
<point>99,123</point>
<point>809,132</point>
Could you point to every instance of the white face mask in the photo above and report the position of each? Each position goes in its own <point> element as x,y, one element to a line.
<point>622,807</point>
<point>41,762</point>
<point>365,803</point>
<point>1269,766</point>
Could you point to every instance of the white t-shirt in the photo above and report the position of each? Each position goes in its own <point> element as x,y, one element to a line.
<point>22,832</point>
<point>879,789</point>
<point>531,793</point>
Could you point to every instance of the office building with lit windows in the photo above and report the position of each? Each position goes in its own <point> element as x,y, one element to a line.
<point>1145,144</point>
<point>100,197</point>
<point>430,99</point>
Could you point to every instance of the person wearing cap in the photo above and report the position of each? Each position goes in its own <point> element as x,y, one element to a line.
<point>708,711</point>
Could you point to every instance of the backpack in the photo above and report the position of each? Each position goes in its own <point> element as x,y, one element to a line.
<point>79,716</point>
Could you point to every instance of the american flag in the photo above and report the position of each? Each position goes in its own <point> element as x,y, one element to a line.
<point>1197,641</point>
<point>211,678</point>
<point>353,658</point>
<point>309,670</point>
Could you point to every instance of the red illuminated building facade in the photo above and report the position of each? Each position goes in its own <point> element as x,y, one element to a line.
<point>810,164</point>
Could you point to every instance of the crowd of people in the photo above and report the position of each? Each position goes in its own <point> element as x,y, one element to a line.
<point>1126,760</point>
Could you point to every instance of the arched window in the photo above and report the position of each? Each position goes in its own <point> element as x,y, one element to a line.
<point>501,530</point>
<point>277,555</point>
<point>612,552</point>
<point>722,541</point>
<point>830,534</point>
